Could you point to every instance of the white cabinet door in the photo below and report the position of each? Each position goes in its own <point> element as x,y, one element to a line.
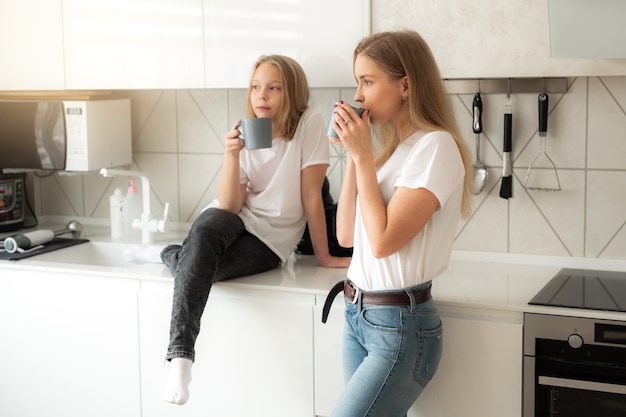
<point>31,45</point>
<point>254,356</point>
<point>120,44</point>
<point>488,38</point>
<point>329,379</point>
<point>321,35</point>
<point>68,345</point>
<point>480,373</point>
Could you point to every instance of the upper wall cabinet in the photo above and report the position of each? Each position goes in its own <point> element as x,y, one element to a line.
<point>121,44</point>
<point>488,38</point>
<point>588,28</point>
<point>31,45</point>
<point>321,35</point>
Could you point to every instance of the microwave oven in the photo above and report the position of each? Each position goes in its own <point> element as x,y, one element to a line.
<point>65,135</point>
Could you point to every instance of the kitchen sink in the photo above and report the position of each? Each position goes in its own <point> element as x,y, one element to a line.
<point>104,254</point>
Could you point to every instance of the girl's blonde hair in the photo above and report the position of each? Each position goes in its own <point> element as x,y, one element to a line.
<point>295,93</point>
<point>405,54</point>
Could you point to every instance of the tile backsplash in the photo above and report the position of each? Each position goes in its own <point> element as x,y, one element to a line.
<point>177,143</point>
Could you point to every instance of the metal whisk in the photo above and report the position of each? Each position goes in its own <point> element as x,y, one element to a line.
<point>543,133</point>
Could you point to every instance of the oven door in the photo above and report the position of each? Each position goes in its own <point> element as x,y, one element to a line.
<point>561,388</point>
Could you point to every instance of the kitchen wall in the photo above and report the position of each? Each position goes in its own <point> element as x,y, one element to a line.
<point>177,142</point>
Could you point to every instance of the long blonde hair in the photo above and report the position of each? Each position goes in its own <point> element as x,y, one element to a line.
<point>295,93</point>
<point>405,54</point>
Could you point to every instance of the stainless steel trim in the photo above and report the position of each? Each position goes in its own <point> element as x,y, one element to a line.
<point>557,85</point>
<point>528,387</point>
<point>584,385</point>
<point>545,326</point>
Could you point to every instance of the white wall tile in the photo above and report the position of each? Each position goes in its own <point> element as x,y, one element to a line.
<point>157,133</point>
<point>178,143</point>
<point>606,216</point>
<point>199,177</point>
<point>607,128</point>
<point>202,120</point>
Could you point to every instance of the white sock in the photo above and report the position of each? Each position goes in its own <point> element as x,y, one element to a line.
<point>143,254</point>
<point>176,389</point>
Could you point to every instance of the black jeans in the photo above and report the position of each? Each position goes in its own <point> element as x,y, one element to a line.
<point>217,248</point>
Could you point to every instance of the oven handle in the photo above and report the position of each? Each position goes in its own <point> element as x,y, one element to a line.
<point>584,385</point>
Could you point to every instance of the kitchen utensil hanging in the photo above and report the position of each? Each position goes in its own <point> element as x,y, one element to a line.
<point>506,187</point>
<point>546,179</point>
<point>480,170</point>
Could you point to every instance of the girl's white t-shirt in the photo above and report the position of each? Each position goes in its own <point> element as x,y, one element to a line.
<point>424,160</point>
<point>273,209</point>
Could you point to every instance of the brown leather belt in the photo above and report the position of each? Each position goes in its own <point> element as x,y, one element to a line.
<point>389,298</point>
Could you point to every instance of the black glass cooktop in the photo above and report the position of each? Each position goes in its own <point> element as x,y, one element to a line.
<point>583,288</point>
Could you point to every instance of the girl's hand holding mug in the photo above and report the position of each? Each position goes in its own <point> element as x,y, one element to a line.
<point>232,142</point>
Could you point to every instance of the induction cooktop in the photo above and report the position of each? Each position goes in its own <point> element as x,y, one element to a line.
<point>584,288</point>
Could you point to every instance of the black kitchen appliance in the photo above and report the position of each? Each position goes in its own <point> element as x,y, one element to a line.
<point>584,288</point>
<point>573,367</point>
<point>12,201</point>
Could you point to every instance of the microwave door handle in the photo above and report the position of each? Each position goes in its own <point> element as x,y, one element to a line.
<point>584,385</point>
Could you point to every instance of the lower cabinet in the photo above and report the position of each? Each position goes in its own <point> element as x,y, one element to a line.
<point>328,356</point>
<point>81,345</point>
<point>68,345</point>
<point>254,355</point>
<point>480,373</point>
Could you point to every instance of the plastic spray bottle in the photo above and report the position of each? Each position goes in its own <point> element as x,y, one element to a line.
<point>117,206</point>
<point>132,210</point>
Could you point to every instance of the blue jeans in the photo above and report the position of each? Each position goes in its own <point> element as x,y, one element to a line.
<point>217,248</point>
<point>390,353</point>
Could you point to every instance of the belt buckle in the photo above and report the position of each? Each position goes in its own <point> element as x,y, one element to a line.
<point>356,295</point>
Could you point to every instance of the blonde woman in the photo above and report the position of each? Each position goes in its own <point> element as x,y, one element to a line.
<point>399,206</point>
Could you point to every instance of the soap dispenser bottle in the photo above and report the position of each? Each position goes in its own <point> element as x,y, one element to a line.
<point>117,206</point>
<point>132,210</point>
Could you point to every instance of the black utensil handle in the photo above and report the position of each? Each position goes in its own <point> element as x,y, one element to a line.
<point>506,187</point>
<point>477,114</point>
<point>543,113</point>
<point>508,126</point>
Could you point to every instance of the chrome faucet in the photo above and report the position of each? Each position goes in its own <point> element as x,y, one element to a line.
<point>147,224</point>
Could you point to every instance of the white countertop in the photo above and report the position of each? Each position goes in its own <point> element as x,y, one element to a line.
<point>476,280</point>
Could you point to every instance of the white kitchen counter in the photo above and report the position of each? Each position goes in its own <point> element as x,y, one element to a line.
<point>482,280</point>
<point>482,298</point>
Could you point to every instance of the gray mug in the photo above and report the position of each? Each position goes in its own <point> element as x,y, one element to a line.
<point>256,132</point>
<point>331,121</point>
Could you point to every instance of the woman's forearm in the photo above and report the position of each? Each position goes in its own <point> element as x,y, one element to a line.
<point>346,207</point>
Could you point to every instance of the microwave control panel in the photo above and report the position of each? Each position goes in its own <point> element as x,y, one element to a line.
<point>98,134</point>
<point>75,124</point>
<point>11,200</point>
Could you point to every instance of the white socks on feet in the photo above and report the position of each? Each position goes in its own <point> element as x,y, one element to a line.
<point>143,254</point>
<point>176,389</point>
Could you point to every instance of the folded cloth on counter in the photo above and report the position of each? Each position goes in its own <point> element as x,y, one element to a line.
<point>54,244</point>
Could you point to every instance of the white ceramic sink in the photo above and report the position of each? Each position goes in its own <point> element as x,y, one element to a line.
<point>92,253</point>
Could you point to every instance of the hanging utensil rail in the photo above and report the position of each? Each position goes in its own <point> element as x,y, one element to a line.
<point>554,85</point>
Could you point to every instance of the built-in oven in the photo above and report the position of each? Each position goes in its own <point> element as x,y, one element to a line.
<point>573,367</point>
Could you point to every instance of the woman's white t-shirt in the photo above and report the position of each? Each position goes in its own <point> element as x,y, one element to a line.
<point>273,209</point>
<point>430,161</point>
